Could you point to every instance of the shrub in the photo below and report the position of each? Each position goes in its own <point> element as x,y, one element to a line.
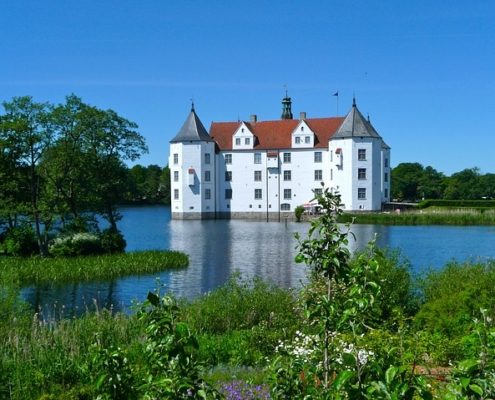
<point>78,244</point>
<point>299,211</point>
<point>453,296</point>
<point>112,241</point>
<point>242,304</point>
<point>20,241</point>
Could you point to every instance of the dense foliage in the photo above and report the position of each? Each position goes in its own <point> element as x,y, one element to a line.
<point>413,182</point>
<point>59,162</point>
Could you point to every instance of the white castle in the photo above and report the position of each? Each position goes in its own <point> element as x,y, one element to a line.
<point>265,169</point>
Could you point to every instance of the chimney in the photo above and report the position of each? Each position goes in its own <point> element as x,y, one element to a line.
<point>302,115</point>
<point>254,118</point>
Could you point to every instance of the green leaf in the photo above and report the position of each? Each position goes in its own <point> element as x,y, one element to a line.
<point>468,365</point>
<point>342,379</point>
<point>390,374</point>
<point>476,389</point>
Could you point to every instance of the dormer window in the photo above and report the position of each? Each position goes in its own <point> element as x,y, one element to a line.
<point>298,140</point>
<point>237,141</point>
<point>307,139</point>
<point>247,141</point>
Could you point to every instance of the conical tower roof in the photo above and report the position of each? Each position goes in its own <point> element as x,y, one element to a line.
<point>192,130</point>
<point>355,125</point>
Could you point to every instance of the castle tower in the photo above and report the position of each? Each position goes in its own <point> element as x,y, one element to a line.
<point>361,163</point>
<point>192,171</point>
<point>286,107</point>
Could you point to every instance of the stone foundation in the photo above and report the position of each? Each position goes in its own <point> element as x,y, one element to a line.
<point>258,216</point>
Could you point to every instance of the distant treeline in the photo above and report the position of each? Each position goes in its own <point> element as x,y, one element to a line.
<point>413,182</point>
<point>147,185</point>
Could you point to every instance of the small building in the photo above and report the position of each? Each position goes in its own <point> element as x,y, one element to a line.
<point>265,169</point>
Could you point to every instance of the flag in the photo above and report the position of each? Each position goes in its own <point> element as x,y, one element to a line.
<point>336,94</point>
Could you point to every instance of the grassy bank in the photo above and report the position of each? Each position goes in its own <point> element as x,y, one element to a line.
<point>431,216</point>
<point>35,270</point>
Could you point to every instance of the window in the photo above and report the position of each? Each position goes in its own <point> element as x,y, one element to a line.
<point>228,158</point>
<point>228,194</point>
<point>176,176</point>
<point>386,193</point>
<point>302,128</point>
<point>331,174</point>
<point>176,158</point>
<point>285,207</point>
<point>228,176</point>
<point>287,175</point>
<point>331,156</point>
<point>361,173</point>
<point>176,194</point>
<point>207,194</point>
<point>257,194</point>
<point>318,175</point>
<point>362,154</point>
<point>286,157</point>
<point>298,140</point>
<point>247,140</point>
<point>207,176</point>
<point>287,194</point>
<point>307,139</point>
<point>318,191</point>
<point>386,163</point>
<point>237,141</point>
<point>207,158</point>
<point>257,158</point>
<point>361,193</point>
<point>317,156</point>
<point>385,178</point>
<point>257,176</point>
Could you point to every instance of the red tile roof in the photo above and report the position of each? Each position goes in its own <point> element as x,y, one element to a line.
<point>275,134</point>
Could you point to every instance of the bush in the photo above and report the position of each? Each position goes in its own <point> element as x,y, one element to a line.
<point>78,244</point>
<point>242,304</point>
<point>299,211</point>
<point>454,295</point>
<point>457,203</point>
<point>20,241</point>
<point>112,241</point>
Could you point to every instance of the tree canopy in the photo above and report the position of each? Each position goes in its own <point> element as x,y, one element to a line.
<point>58,161</point>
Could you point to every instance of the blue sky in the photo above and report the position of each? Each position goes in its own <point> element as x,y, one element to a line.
<point>423,70</point>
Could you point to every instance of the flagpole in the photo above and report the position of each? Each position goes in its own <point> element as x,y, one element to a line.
<point>336,94</point>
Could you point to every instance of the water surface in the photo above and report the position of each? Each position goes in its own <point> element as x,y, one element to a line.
<point>219,248</point>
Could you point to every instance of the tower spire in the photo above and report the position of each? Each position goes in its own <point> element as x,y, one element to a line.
<point>286,106</point>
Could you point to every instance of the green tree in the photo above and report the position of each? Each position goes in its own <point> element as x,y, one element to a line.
<point>164,187</point>
<point>26,131</point>
<point>406,181</point>
<point>464,185</point>
<point>431,184</point>
<point>109,141</point>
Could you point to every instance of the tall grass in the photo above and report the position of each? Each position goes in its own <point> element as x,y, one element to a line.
<point>36,270</point>
<point>429,217</point>
<point>39,358</point>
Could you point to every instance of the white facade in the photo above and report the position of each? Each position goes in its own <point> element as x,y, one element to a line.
<point>266,169</point>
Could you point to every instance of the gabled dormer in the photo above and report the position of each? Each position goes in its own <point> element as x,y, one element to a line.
<point>302,136</point>
<point>243,138</point>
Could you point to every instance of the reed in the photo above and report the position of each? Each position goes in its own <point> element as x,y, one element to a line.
<point>36,270</point>
<point>430,217</point>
